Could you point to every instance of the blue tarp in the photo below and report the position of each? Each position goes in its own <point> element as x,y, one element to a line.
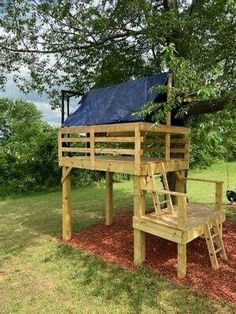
<point>117,103</point>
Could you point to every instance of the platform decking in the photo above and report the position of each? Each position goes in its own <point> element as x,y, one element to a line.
<point>167,227</point>
<point>124,148</point>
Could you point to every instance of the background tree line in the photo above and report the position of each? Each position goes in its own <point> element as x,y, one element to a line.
<point>28,147</point>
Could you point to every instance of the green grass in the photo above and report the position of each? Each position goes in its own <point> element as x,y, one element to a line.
<point>38,275</point>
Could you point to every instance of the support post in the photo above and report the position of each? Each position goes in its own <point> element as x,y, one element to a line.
<point>182,211</point>
<point>168,118</point>
<point>181,267</point>
<point>180,185</point>
<point>219,202</point>
<point>109,198</point>
<point>66,205</point>
<point>139,210</point>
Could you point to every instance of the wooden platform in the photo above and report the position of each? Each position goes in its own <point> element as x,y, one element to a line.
<point>124,148</point>
<point>122,164</point>
<point>166,226</point>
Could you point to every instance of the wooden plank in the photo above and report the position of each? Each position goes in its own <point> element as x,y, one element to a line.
<point>163,231</point>
<point>109,199</point>
<point>121,127</point>
<point>149,127</point>
<point>75,139</point>
<point>66,206</point>
<point>181,260</point>
<point>139,210</point>
<point>116,151</point>
<point>112,139</point>
<point>75,150</point>
<point>202,180</point>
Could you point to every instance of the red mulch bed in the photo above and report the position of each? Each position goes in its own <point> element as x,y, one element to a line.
<point>115,244</point>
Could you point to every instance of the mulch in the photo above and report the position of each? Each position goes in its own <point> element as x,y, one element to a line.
<point>115,244</point>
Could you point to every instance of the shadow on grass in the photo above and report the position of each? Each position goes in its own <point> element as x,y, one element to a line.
<point>24,220</point>
<point>141,289</point>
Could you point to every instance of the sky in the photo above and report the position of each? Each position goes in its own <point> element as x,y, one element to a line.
<point>42,103</point>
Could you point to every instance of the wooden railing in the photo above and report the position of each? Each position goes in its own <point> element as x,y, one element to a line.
<point>131,140</point>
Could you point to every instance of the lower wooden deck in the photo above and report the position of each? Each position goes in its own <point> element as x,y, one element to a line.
<point>123,164</point>
<point>166,226</point>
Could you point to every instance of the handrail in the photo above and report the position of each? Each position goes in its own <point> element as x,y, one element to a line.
<point>201,180</point>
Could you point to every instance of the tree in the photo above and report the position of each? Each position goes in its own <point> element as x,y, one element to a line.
<point>28,148</point>
<point>81,44</point>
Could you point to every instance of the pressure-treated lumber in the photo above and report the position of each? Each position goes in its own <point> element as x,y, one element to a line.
<point>145,151</point>
<point>66,205</point>
<point>109,198</point>
<point>181,260</point>
<point>139,210</point>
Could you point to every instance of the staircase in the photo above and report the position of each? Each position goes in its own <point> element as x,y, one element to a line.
<point>215,245</point>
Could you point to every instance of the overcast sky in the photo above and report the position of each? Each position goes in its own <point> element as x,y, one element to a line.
<point>42,103</point>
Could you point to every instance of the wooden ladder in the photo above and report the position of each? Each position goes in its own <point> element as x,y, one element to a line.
<point>215,245</point>
<point>155,194</point>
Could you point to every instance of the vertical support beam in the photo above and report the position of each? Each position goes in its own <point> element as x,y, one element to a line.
<point>139,210</point>
<point>59,143</point>
<point>180,184</point>
<point>181,260</point>
<point>219,202</point>
<point>218,196</point>
<point>137,152</point>
<point>182,211</point>
<point>66,205</point>
<point>109,198</point>
<point>168,118</point>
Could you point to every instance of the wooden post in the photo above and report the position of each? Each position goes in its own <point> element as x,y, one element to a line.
<point>218,196</point>
<point>181,267</point>
<point>219,202</point>
<point>92,147</point>
<point>137,152</point>
<point>180,185</point>
<point>182,217</point>
<point>66,205</point>
<point>168,119</point>
<point>182,211</point>
<point>109,198</point>
<point>139,210</point>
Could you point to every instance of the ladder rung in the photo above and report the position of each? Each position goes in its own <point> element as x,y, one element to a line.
<point>218,250</point>
<point>214,235</point>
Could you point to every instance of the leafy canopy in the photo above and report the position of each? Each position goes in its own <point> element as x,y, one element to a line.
<point>81,44</point>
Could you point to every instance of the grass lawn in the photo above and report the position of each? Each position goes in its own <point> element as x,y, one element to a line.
<point>39,275</point>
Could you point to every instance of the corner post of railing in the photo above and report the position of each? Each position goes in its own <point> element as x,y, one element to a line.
<point>182,211</point>
<point>137,150</point>
<point>59,144</point>
<point>168,117</point>
<point>92,147</point>
<point>219,197</point>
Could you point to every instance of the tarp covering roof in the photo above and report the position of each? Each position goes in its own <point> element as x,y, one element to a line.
<point>116,103</point>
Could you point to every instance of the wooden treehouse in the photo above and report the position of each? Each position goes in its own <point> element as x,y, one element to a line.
<point>145,151</point>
